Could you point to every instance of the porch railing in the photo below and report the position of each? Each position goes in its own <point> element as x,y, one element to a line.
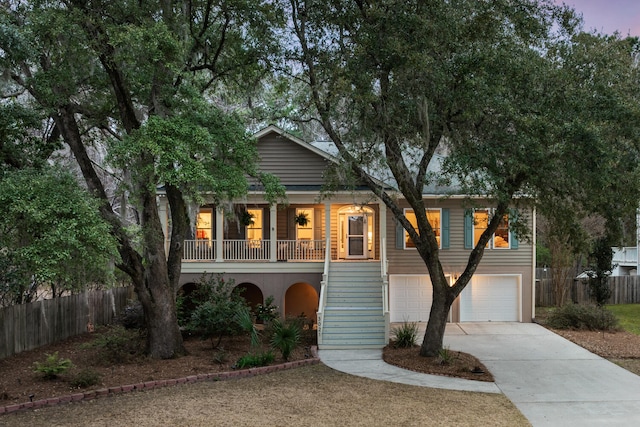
<point>255,250</point>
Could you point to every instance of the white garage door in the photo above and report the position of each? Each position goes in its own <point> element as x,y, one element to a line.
<point>409,298</point>
<point>491,298</point>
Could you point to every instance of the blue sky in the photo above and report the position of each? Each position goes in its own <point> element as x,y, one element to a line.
<point>607,16</point>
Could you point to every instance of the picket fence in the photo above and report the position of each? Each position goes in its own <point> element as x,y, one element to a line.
<point>624,290</point>
<point>28,326</point>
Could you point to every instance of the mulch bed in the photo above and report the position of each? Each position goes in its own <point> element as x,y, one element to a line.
<point>461,365</point>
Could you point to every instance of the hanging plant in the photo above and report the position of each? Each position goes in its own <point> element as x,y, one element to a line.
<point>246,218</point>
<point>302,219</point>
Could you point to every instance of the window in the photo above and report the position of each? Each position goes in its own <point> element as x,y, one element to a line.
<point>434,218</point>
<point>254,229</point>
<point>304,224</point>
<point>501,238</point>
<point>203,224</point>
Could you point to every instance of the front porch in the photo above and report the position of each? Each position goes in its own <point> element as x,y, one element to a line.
<point>259,233</point>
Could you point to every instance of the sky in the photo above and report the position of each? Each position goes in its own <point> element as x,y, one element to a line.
<point>607,16</point>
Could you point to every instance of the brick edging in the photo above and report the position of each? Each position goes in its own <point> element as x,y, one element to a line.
<point>149,385</point>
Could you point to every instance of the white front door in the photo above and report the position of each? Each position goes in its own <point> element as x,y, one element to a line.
<point>356,237</point>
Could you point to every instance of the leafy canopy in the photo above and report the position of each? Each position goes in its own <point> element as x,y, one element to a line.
<point>51,233</point>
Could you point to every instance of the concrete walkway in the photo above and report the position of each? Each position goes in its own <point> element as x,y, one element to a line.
<point>552,381</point>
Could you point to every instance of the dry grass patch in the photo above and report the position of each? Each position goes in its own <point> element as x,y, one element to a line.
<point>308,396</point>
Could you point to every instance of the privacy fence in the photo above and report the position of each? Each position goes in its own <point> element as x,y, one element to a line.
<point>27,326</point>
<point>624,290</point>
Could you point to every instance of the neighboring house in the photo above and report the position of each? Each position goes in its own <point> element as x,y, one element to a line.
<point>625,261</point>
<point>349,267</point>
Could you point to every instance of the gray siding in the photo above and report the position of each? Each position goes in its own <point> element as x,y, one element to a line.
<point>455,258</point>
<point>292,163</point>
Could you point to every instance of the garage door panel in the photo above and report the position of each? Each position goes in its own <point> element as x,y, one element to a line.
<point>490,298</point>
<point>409,298</point>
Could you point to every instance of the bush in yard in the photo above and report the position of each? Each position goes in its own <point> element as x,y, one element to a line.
<point>132,316</point>
<point>253,360</point>
<point>217,313</point>
<point>405,335</point>
<point>575,316</point>
<point>86,378</point>
<point>118,345</point>
<point>52,366</point>
<point>267,312</point>
<point>286,336</point>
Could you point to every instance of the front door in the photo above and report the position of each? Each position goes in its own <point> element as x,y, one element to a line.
<point>356,238</point>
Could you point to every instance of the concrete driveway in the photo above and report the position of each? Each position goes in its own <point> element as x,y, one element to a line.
<point>552,381</point>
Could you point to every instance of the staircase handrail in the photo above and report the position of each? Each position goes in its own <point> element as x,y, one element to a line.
<point>384,275</point>
<point>323,292</point>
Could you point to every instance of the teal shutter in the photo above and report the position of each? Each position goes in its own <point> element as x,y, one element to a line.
<point>399,236</point>
<point>513,216</point>
<point>468,229</point>
<point>444,233</point>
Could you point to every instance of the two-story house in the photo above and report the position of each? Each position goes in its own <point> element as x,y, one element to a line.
<point>344,262</point>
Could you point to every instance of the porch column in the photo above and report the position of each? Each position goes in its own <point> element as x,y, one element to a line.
<point>327,226</point>
<point>162,213</point>
<point>273,233</point>
<point>383,225</point>
<point>219,234</point>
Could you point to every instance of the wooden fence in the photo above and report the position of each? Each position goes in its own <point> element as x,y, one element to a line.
<point>624,290</point>
<point>28,326</point>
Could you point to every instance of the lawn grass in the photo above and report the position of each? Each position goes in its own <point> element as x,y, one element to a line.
<point>628,315</point>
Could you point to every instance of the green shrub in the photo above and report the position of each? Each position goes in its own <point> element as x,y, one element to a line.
<point>132,316</point>
<point>286,336</point>
<point>118,345</point>
<point>86,378</point>
<point>216,315</point>
<point>405,335</point>
<point>253,360</point>
<point>52,366</point>
<point>575,316</point>
<point>267,312</point>
<point>221,356</point>
<point>446,356</point>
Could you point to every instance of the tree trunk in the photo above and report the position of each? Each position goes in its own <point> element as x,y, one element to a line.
<point>149,273</point>
<point>157,292</point>
<point>434,335</point>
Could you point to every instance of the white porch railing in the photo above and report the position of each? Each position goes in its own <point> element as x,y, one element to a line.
<point>625,256</point>
<point>301,250</point>
<point>254,250</point>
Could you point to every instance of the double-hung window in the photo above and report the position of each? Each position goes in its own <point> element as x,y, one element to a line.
<point>477,221</point>
<point>434,216</point>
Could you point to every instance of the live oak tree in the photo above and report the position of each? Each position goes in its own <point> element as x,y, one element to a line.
<point>147,80</point>
<point>529,111</point>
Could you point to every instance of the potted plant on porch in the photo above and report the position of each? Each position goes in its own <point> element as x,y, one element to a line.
<point>302,219</point>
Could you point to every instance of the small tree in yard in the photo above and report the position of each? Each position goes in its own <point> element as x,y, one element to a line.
<point>600,270</point>
<point>218,313</point>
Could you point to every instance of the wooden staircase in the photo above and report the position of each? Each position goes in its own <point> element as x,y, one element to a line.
<point>353,312</point>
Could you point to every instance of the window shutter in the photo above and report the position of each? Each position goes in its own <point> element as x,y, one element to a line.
<point>468,229</point>
<point>399,236</point>
<point>513,216</point>
<point>445,228</point>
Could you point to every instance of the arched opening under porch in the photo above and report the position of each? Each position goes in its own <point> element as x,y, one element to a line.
<point>301,300</point>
